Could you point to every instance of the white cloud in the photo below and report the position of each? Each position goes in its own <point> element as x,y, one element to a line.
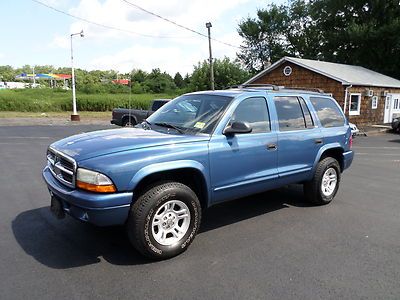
<point>169,59</point>
<point>60,42</point>
<point>111,49</point>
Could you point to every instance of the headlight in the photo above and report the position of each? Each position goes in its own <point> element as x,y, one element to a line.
<point>94,181</point>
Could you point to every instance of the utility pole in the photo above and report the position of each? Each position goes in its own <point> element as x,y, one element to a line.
<point>34,75</point>
<point>208,25</point>
<point>74,116</point>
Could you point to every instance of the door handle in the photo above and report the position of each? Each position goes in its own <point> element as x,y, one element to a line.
<point>272,147</point>
<point>318,141</point>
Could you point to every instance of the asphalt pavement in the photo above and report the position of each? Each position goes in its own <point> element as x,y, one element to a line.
<point>268,246</point>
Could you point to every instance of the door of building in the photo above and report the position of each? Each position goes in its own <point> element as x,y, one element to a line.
<point>392,107</point>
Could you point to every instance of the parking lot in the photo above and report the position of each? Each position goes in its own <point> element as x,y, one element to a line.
<point>272,245</point>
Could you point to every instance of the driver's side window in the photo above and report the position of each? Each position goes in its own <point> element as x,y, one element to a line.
<point>255,112</point>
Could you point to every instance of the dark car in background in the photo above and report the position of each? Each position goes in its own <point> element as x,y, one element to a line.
<point>396,124</point>
<point>131,117</point>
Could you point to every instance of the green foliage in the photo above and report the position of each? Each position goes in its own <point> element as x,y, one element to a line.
<point>226,73</point>
<point>45,100</point>
<point>158,82</point>
<point>178,79</point>
<point>358,32</point>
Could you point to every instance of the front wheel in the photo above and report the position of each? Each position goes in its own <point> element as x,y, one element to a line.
<point>164,220</point>
<point>325,183</point>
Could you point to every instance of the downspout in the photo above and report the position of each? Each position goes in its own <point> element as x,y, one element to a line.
<point>346,91</point>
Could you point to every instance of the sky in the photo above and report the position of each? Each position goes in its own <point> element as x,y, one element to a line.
<point>37,35</point>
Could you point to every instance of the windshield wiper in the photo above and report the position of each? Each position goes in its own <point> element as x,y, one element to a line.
<point>168,125</point>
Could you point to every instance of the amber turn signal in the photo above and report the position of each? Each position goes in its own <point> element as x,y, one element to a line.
<point>96,188</point>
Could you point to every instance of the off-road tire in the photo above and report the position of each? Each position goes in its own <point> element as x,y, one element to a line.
<point>142,212</point>
<point>313,190</point>
<point>128,122</point>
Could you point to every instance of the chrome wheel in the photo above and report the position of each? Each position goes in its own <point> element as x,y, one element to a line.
<point>170,222</point>
<point>329,182</point>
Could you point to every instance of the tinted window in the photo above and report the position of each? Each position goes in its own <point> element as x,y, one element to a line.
<point>306,113</point>
<point>290,113</point>
<point>255,112</point>
<point>157,104</point>
<point>328,112</point>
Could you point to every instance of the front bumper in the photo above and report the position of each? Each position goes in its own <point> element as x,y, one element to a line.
<point>347,159</point>
<point>98,209</point>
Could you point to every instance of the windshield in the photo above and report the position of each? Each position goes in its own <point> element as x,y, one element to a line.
<point>190,113</point>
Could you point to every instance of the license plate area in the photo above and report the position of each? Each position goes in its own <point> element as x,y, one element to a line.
<point>57,208</point>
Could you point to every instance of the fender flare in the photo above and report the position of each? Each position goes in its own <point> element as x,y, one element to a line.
<point>322,150</point>
<point>171,166</point>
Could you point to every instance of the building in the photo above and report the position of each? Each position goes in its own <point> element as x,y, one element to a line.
<point>366,97</point>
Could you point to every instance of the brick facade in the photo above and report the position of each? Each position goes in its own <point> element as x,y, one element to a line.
<point>305,78</point>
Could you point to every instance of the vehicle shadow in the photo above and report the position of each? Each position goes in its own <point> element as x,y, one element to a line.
<point>68,243</point>
<point>394,141</point>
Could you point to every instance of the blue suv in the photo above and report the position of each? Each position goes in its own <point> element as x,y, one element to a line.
<point>198,150</point>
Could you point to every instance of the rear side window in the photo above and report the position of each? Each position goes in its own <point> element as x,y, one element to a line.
<point>290,113</point>
<point>306,112</point>
<point>255,112</point>
<point>328,112</point>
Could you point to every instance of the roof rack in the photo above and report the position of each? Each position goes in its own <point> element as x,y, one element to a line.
<point>317,90</point>
<point>253,85</point>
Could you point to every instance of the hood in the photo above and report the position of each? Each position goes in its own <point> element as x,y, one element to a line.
<point>97,143</point>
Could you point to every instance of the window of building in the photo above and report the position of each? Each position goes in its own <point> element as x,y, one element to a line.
<point>354,104</point>
<point>290,113</point>
<point>396,104</point>
<point>374,103</point>
<point>255,112</point>
<point>329,114</point>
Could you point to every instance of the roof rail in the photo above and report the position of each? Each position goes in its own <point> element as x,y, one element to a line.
<point>252,85</point>
<point>317,90</point>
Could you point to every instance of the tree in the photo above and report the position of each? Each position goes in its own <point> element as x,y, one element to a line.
<point>158,82</point>
<point>264,38</point>
<point>357,32</point>
<point>360,32</point>
<point>226,73</point>
<point>178,79</point>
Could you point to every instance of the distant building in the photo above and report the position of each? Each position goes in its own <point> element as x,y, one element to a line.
<point>366,97</point>
<point>121,81</point>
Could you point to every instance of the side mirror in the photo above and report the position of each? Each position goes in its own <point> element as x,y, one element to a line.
<point>237,127</point>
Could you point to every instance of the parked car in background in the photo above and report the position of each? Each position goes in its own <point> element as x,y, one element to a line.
<point>396,124</point>
<point>199,150</point>
<point>131,117</point>
<point>354,129</point>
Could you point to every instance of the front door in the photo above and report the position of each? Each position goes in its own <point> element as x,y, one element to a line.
<point>388,106</point>
<point>243,164</point>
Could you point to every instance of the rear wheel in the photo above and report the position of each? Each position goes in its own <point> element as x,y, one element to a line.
<point>128,122</point>
<point>325,183</point>
<point>164,220</point>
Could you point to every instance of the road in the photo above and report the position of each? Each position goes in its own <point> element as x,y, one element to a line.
<point>272,245</point>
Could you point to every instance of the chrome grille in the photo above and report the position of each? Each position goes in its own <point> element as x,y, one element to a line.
<point>62,167</point>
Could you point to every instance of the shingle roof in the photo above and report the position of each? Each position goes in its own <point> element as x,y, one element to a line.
<point>346,74</point>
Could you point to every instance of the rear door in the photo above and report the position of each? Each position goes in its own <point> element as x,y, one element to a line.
<point>299,140</point>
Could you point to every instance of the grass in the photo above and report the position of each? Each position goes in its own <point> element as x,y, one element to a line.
<point>58,114</point>
<point>48,100</point>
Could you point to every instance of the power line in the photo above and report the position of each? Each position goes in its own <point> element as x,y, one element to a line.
<point>103,25</point>
<point>176,24</point>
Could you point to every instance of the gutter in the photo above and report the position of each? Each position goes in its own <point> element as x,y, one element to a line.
<point>346,91</point>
